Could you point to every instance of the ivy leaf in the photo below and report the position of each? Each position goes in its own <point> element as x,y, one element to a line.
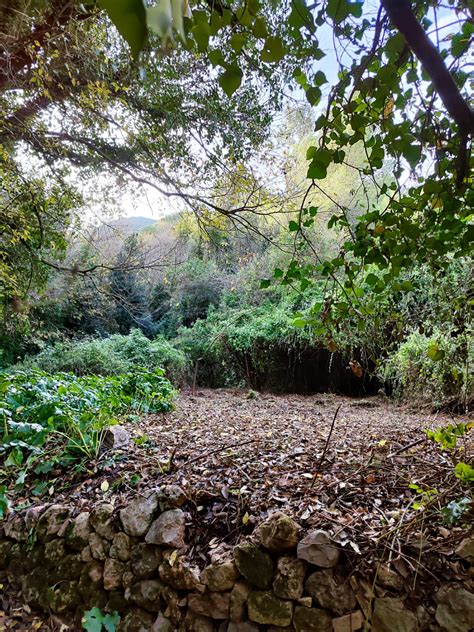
<point>129,16</point>
<point>111,621</point>
<point>92,620</point>
<point>273,50</point>
<point>230,80</point>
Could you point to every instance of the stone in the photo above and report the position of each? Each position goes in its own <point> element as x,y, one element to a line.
<point>145,560</point>
<point>51,521</point>
<point>306,601</point>
<point>94,572</point>
<point>137,516</point>
<point>65,596</point>
<point>146,594</point>
<point>113,572</point>
<point>102,520</point>
<point>99,548</point>
<point>168,529</point>
<point>32,515</point>
<point>311,620</point>
<point>116,437</point>
<point>254,564</point>
<point>465,549</point>
<point>70,567</point>
<point>54,552</point>
<point>5,548</point>
<point>390,615</point>
<point>179,574</point>
<point>264,607</point>
<point>120,548</point>
<point>318,549</point>
<point>455,610</point>
<point>220,576</point>
<point>349,622</point>
<point>86,555</point>
<point>137,620</point>
<point>78,531</point>
<point>244,626</point>
<point>210,604</point>
<point>238,602</point>
<point>289,578</point>
<point>278,533</point>
<point>388,578</point>
<point>173,604</point>
<point>330,591</point>
<point>34,588</point>
<point>171,497</point>
<point>197,623</point>
<point>15,528</point>
<point>162,624</point>
<point>116,601</point>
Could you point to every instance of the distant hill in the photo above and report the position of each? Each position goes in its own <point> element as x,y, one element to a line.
<point>129,225</point>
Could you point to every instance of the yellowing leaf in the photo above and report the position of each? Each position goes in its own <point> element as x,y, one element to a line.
<point>104,486</point>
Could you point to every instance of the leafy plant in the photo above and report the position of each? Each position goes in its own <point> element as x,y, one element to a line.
<point>95,620</point>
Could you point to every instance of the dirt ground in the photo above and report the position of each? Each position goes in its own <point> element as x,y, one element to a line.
<point>239,456</point>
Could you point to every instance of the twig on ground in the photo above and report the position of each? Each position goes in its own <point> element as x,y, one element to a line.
<point>224,447</point>
<point>325,447</point>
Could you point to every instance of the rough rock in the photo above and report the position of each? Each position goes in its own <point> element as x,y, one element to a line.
<point>278,533</point>
<point>113,572</point>
<point>390,615</point>
<point>254,564</point>
<point>238,602</point>
<point>120,548</point>
<point>311,620</point>
<point>168,530</point>
<point>162,624</point>
<point>318,549</point>
<point>220,577</point>
<point>51,522</point>
<point>15,528</point>
<point>289,579</point>
<point>64,597</point>
<point>136,620</point>
<point>145,560</point>
<point>306,601</point>
<point>137,516</point>
<point>146,594</point>
<point>210,604</point>
<point>70,567</point>
<point>389,578</point>
<point>171,497</point>
<point>34,588</point>
<point>54,551</point>
<point>244,626</point>
<point>179,574</point>
<point>264,607</point>
<point>78,531</point>
<point>197,623</point>
<point>5,548</point>
<point>349,622</point>
<point>116,437</point>
<point>99,548</point>
<point>455,611</point>
<point>465,550</point>
<point>173,604</point>
<point>331,591</point>
<point>102,520</point>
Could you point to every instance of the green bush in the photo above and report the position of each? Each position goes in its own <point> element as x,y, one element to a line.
<point>111,356</point>
<point>435,370</point>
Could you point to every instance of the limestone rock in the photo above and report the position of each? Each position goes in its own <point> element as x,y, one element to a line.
<point>34,589</point>
<point>289,579</point>
<point>116,437</point>
<point>145,560</point>
<point>70,567</point>
<point>349,622</point>
<point>5,548</point>
<point>86,555</point>
<point>255,565</point>
<point>330,591</point>
<point>267,609</point>
<point>146,594</point>
<point>278,533</point>
<point>162,624</point>
<point>389,578</point>
<point>51,521</point>
<point>197,623</point>
<point>220,577</point>
<point>455,611</point>
<point>238,602</point>
<point>171,497</point>
<point>465,550</point>
<point>32,515</point>
<point>64,597</point>
<point>210,604</point>
<point>244,626</point>
<point>390,615</point>
<point>54,551</point>
<point>168,530</point>
<point>306,601</point>
<point>137,516</point>
<point>15,528</point>
<point>113,571</point>
<point>311,620</point>
<point>318,549</point>
<point>102,519</point>
<point>136,620</point>
<point>99,548</point>
<point>173,605</point>
<point>78,531</point>
<point>179,574</point>
<point>120,548</point>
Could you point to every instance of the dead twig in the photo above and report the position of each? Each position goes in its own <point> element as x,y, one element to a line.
<point>221,449</point>
<point>325,447</point>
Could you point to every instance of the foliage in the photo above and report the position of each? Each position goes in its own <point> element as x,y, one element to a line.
<point>95,620</point>
<point>111,356</point>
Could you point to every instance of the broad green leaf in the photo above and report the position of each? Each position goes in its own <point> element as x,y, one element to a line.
<point>273,50</point>
<point>129,16</point>
<point>201,33</point>
<point>238,41</point>
<point>230,80</point>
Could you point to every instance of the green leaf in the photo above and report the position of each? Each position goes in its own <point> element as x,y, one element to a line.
<point>264,283</point>
<point>338,10</point>
<point>230,80</point>
<point>293,226</point>
<point>201,33</point>
<point>278,273</point>
<point>216,58</point>
<point>259,28</point>
<point>434,352</point>
<point>92,620</point>
<point>313,94</point>
<point>238,41</point>
<point>111,621</point>
<point>464,472</point>
<point>317,170</point>
<point>130,18</point>
<point>320,78</point>
<point>273,50</point>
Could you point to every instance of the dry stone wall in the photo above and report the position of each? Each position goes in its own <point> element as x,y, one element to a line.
<point>136,561</point>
